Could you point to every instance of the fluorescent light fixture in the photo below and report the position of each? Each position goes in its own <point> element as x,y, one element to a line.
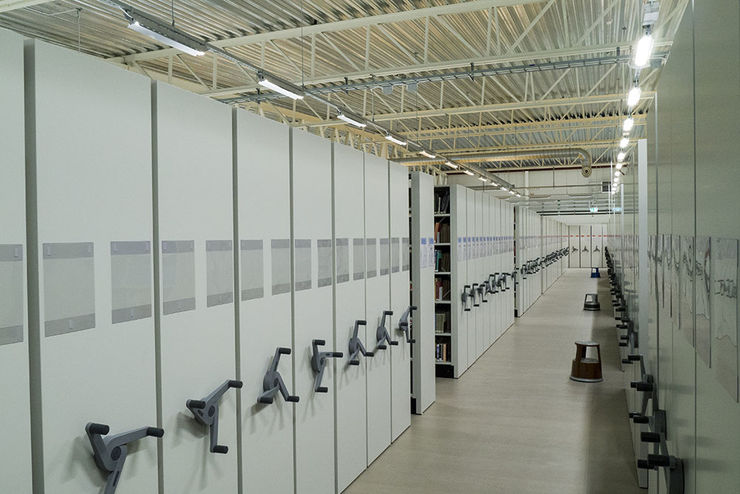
<point>451,164</point>
<point>619,165</point>
<point>468,172</point>
<point>620,156</point>
<point>483,179</point>
<point>494,183</point>
<point>629,122</point>
<point>518,194</point>
<point>614,191</point>
<point>624,142</point>
<point>395,140</point>
<point>643,51</point>
<point>504,189</point>
<point>351,121</point>
<point>279,89</point>
<point>139,28</point>
<point>616,180</point>
<point>512,192</point>
<point>633,97</point>
<point>427,154</point>
<point>617,173</point>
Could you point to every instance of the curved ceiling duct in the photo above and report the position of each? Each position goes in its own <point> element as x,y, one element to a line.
<point>518,155</point>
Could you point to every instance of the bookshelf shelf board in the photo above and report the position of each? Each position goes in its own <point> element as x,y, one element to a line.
<point>442,244</point>
<point>442,301</point>
<point>442,362</point>
<point>441,215</point>
<point>442,272</point>
<point>442,334</point>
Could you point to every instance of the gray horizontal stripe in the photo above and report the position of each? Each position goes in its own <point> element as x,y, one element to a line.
<point>358,275</point>
<point>251,245</point>
<point>303,244</point>
<point>303,285</point>
<point>72,250</point>
<point>341,278</point>
<point>11,252</point>
<point>383,271</point>
<point>384,241</point>
<point>280,288</point>
<point>370,241</point>
<point>219,299</point>
<point>252,293</point>
<point>131,313</point>
<point>11,334</point>
<point>69,324</point>
<point>130,248</point>
<point>177,246</point>
<point>218,245</point>
<point>371,273</point>
<point>175,306</point>
<point>395,269</point>
<point>342,241</point>
<point>280,243</point>
<point>325,281</point>
<point>323,243</point>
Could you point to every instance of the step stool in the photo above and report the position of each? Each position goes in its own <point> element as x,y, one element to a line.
<point>591,302</point>
<point>585,369</point>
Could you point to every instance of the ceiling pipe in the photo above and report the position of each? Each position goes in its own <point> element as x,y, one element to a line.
<point>518,155</point>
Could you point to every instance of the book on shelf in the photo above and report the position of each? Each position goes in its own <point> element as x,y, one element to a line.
<point>442,261</point>
<point>442,201</point>
<point>441,289</point>
<point>441,352</point>
<point>441,322</point>
<point>442,232</point>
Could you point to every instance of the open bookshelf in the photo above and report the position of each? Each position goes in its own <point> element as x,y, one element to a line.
<point>442,283</point>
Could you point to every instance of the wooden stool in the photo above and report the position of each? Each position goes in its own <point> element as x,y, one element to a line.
<point>586,370</point>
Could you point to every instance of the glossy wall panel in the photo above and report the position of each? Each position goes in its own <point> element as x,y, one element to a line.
<point>196,326</point>
<point>15,459</point>
<point>91,194</point>
<point>265,299</point>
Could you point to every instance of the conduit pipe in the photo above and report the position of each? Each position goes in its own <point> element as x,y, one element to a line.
<point>510,155</point>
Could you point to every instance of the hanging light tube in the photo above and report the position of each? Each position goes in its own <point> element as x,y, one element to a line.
<point>483,179</point>
<point>620,156</point>
<point>619,165</point>
<point>279,89</point>
<point>512,192</point>
<point>468,172</point>
<point>395,140</point>
<point>633,97</point>
<point>426,153</point>
<point>351,121</point>
<point>624,142</point>
<point>451,164</point>
<point>629,122</point>
<point>504,189</point>
<point>643,51</point>
<point>162,38</point>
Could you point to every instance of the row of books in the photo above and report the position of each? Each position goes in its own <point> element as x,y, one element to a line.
<point>442,261</point>
<point>441,352</point>
<point>441,322</point>
<point>442,232</point>
<point>441,201</point>
<point>441,288</point>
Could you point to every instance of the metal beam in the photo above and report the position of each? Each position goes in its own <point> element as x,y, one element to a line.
<point>524,57</point>
<point>327,27</point>
<point>10,5</point>
<point>518,105</point>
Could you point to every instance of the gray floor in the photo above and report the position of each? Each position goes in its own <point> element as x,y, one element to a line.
<point>514,422</point>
